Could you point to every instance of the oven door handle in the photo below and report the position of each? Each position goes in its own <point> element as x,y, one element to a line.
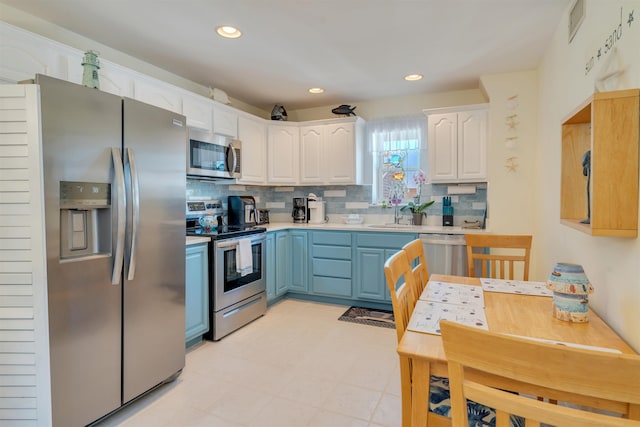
<point>227,244</point>
<point>232,243</point>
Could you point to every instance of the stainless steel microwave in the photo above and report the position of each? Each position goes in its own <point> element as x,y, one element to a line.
<point>213,156</point>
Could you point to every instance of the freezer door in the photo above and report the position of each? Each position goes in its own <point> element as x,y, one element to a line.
<point>154,285</point>
<point>80,127</point>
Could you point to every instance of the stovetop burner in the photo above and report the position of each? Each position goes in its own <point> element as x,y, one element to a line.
<point>225,231</point>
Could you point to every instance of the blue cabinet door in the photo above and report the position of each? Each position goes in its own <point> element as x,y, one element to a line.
<point>299,262</point>
<point>197,291</point>
<point>270,248</point>
<point>370,283</point>
<point>283,262</point>
<point>371,252</point>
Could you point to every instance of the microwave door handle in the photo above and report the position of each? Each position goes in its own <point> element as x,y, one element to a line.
<point>135,219</point>
<point>118,257</point>
<point>232,158</point>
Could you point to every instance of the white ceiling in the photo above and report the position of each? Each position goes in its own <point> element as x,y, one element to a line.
<point>356,50</point>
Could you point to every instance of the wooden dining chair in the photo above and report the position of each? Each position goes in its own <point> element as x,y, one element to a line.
<point>479,359</point>
<point>415,253</point>
<point>504,252</point>
<point>398,270</point>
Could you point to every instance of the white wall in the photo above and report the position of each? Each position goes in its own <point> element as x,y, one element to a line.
<point>398,106</point>
<point>36,25</point>
<point>511,153</point>
<point>612,264</point>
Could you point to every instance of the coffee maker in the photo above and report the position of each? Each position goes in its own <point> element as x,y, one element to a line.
<point>242,211</point>
<point>300,213</point>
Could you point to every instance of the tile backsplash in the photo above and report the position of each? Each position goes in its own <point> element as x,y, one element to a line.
<point>340,200</point>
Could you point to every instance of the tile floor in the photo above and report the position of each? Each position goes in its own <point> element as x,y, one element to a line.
<point>297,366</point>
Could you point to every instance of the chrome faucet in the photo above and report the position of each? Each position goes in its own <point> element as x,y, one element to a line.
<point>396,215</point>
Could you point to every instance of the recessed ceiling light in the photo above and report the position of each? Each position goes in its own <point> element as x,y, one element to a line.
<point>413,77</point>
<point>228,32</point>
<point>316,90</point>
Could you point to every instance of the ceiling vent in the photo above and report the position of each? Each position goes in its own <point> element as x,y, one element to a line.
<point>576,16</point>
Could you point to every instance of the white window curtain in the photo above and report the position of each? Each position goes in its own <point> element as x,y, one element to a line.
<point>398,151</point>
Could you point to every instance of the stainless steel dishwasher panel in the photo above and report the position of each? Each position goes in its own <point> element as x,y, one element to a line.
<point>445,253</point>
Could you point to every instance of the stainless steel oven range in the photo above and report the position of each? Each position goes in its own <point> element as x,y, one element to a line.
<point>234,299</point>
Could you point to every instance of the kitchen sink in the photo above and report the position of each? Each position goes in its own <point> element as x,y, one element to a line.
<point>392,225</point>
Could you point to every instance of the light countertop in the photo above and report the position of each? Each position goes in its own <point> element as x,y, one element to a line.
<point>392,228</point>
<point>194,240</point>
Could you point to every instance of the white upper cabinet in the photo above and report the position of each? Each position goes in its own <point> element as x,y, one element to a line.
<point>198,111</point>
<point>312,160</point>
<point>155,93</point>
<point>225,120</point>
<point>472,145</point>
<point>283,154</point>
<point>252,132</point>
<point>343,151</point>
<point>457,144</point>
<point>331,153</point>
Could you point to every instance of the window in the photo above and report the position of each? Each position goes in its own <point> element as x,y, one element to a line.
<point>398,147</point>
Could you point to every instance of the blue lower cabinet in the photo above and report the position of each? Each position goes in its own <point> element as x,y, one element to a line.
<point>343,265</point>
<point>299,262</point>
<point>371,252</point>
<point>270,268</point>
<point>196,292</point>
<point>331,265</point>
<point>282,262</point>
<point>370,284</point>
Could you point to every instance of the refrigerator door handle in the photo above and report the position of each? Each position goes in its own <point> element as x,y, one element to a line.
<point>135,220</point>
<point>118,258</point>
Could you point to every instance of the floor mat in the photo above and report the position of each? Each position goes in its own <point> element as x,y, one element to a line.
<point>368,316</point>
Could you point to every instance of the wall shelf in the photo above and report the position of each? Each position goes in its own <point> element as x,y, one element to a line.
<point>608,124</point>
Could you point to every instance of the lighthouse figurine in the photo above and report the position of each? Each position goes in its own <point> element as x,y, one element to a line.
<point>91,66</point>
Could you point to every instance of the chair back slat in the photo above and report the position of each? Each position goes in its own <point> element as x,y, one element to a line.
<point>401,284</point>
<point>498,264</point>
<point>415,253</point>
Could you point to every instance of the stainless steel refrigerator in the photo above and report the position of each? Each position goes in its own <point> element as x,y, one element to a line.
<point>114,179</point>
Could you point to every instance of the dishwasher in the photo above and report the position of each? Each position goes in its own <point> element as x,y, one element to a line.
<point>445,253</point>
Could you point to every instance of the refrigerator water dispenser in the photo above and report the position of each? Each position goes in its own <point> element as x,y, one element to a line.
<point>85,219</point>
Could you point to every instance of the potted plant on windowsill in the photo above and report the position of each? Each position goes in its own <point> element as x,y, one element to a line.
<point>417,210</point>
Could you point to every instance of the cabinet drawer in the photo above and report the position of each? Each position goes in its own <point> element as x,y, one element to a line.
<point>331,238</point>
<point>331,252</point>
<point>332,268</point>
<point>384,240</point>
<point>332,286</point>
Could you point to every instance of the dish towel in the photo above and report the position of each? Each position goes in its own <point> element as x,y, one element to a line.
<point>244,257</point>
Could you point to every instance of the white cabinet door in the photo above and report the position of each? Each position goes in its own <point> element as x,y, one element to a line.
<point>253,162</point>
<point>442,137</point>
<point>472,145</point>
<point>340,153</point>
<point>313,161</point>
<point>457,144</point>
<point>283,154</point>
<point>153,93</point>
<point>225,121</point>
<point>198,111</point>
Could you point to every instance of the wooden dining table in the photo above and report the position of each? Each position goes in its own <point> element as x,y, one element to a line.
<point>524,315</point>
